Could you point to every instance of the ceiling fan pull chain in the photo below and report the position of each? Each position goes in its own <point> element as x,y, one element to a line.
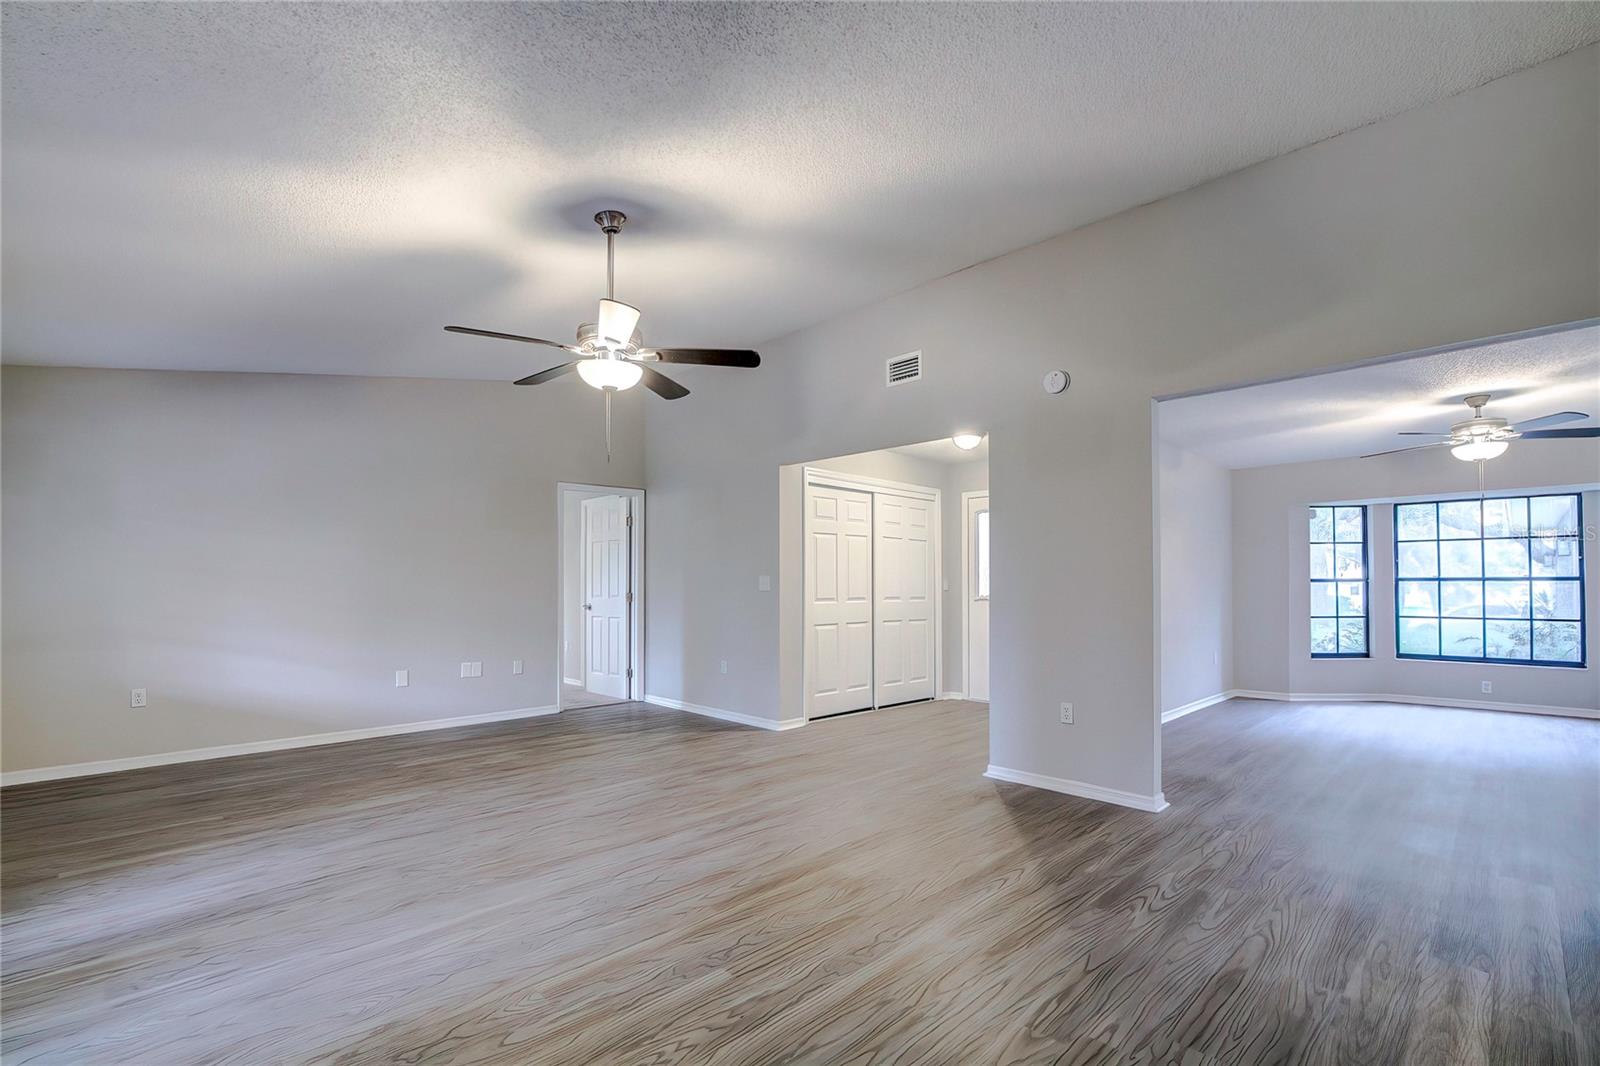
<point>607,393</point>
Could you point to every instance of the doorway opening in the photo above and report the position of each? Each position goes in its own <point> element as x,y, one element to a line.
<point>601,553</point>
<point>1306,555</point>
<point>888,585</point>
<point>975,593</point>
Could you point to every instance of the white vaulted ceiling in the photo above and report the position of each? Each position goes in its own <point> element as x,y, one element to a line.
<point>321,187</point>
<point>1360,410</point>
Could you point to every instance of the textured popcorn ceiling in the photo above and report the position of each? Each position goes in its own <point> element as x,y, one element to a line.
<point>1359,411</point>
<point>320,187</point>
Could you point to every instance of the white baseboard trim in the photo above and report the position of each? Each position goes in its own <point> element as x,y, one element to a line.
<point>951,696</point>
<point>1196,705</point>
<point>1422,701</point>
<point>574,682</point>
<point>226,751</point>
<point>725,716</point>
<point>1082,789</point>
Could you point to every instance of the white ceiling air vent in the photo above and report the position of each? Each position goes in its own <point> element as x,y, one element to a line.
<point>903,368</point>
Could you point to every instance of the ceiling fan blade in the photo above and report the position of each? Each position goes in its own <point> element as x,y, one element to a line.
<point>509,337</point>
<point>547,375</point>
<point>1413,448</point>
<point>661,385</point>
<point>1419,433</point>
<point>1549,434</point>
<point>1556,419</point>
<point>741,357</point>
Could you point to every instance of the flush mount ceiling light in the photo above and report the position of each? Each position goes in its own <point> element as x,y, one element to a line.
<point>967,441</point>
<point>610,350</point>
<point>1480,438</point>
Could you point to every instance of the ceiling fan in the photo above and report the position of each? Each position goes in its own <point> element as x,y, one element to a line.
<point>1480,438</point>
<point>610,350</point>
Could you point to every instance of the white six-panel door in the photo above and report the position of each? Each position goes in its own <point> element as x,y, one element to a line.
<point>606,561</point>
<point>838,590</point>
<point>902,554</point>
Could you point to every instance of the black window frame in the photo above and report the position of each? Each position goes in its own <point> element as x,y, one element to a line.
<point>1336,581</point>
<point>1580,579</point>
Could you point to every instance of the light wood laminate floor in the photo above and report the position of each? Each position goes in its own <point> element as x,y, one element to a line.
<point>575,698</point>
<point>1333,884</point>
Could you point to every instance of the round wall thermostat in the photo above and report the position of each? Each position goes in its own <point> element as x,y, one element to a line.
<point>1057,381</point>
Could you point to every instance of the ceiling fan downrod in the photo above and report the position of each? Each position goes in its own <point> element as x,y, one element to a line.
<point>610,223</point>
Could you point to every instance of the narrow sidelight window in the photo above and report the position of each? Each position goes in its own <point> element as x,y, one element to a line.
<point>1338,582</point>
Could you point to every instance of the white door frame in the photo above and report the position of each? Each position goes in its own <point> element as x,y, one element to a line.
<point>816,475</point>
<point>569,494</point>
<point>968,572</point>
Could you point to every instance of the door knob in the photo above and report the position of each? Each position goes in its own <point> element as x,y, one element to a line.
<point>588,607</point>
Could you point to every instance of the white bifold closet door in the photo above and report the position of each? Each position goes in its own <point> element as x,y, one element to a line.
<point>838,588</point>
<point>903,601</point>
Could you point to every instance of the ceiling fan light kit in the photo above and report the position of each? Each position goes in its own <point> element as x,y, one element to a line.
<point>613,374</point>
<point>610,350</point>
<point>1478,450</point>
<point>616,324</point>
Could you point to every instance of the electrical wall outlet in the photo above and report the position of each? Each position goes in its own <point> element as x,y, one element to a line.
<point>1488,686</point>
<point>1066,714</point>
<point>724,666</point>
<point>471,669</point>
<point>136,698</point>
<point>516,666</point>
<point>402,678</point>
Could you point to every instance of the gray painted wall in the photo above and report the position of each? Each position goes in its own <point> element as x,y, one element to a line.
<point>1475,216</point>
<point>1196,540</point>
<point>262,551</point>
<point>1270,595</point>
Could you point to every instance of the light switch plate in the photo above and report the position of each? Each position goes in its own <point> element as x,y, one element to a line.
<point>472,669</point>
<point>402,678</point>
<point>764,583</point>
<point>516,666</point>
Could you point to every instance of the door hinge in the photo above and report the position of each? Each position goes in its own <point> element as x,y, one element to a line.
<point>630,673</point>
<point>630,598</point>
<point>630,521</point>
